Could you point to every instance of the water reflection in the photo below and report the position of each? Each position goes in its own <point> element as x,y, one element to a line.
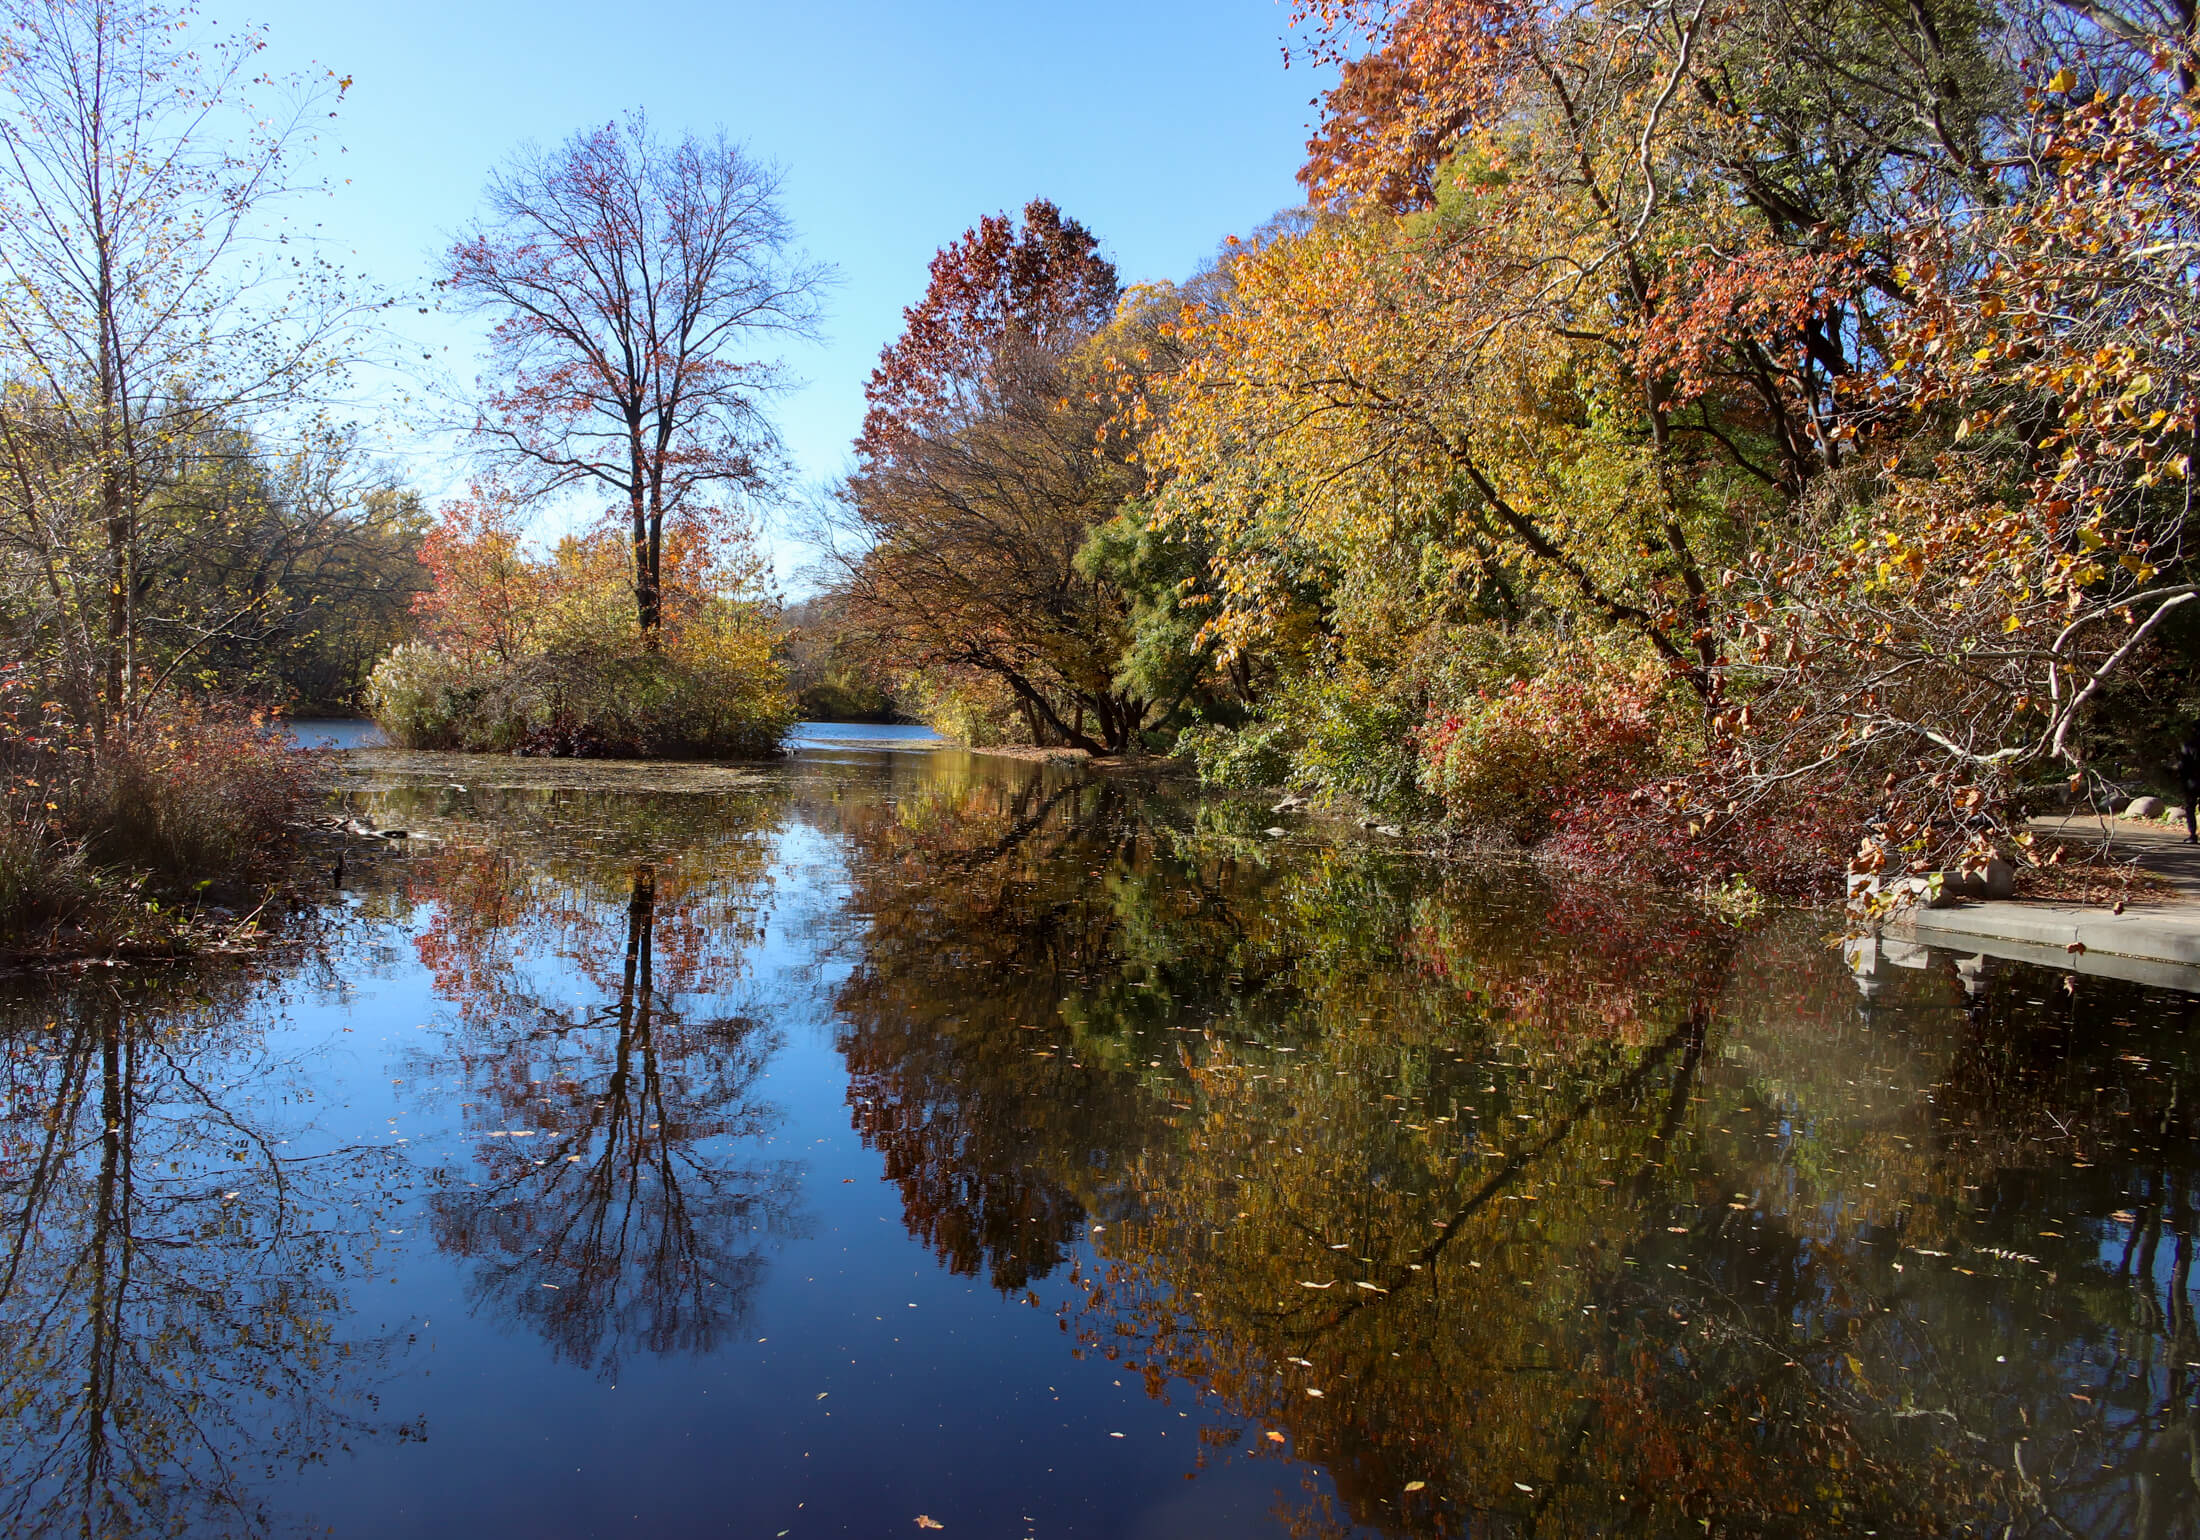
<point>175,1312</point>
<point>1524,1213</point>
<point>614,1201</point>
<point>1449,1201</point>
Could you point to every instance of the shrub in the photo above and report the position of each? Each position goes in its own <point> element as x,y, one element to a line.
<point>420,695</point>
<point>1791,844</point>
<point>192,792</point>
<point>1354,740</point>
<point>1332,733</point>
<point>1514,759</point>
<point>710,693</point>
<point>190,796</point>
<point>1236,758</point>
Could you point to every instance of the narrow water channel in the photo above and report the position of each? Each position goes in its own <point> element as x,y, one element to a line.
<point>892,1140</point>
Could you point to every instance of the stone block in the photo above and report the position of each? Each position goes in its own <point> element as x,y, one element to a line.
<point>2143,807</point>
<point>1998,880</point>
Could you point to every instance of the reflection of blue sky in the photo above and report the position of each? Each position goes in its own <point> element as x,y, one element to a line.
<point>868,1384</point>
<point>1164,127</point>
<point>863,732</point>
<point>335,733</point>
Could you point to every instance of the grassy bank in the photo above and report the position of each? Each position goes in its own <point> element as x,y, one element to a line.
<point>149,841</point>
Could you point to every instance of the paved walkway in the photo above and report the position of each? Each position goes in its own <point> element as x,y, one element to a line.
<point>2154,941</point>
<point>2158,847</point>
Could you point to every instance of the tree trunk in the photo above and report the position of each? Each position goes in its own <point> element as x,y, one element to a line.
<point>119,580</point>
<point>646,522</point>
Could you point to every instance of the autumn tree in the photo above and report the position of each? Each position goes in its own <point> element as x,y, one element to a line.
<point>631,285</point>
<point>983,468</point>
<point>1794,351</point>
<point>485,592</point>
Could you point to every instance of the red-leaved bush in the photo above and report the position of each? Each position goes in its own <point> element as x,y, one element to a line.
<point>1792,843</point>
<point>1514,760</point>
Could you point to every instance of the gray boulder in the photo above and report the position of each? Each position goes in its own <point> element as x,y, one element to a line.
<point>2143,807</point>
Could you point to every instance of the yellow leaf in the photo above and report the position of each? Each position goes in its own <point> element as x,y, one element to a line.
<point>2061,80</point>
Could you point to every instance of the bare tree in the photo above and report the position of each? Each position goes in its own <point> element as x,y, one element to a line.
<point>629,279</point>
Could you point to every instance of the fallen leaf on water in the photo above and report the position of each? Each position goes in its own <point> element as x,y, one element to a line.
<point>1415,1486</point>
<point>1524,1486</point>
<point>2124,1216</point>
<point>926,1521</point>
<point>1310,1390</point>
<point>1332,1283</point>
<point>821,1395</point>
<point>1274,1437</point>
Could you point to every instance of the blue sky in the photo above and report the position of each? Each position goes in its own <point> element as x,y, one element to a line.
<point>1164,127</point>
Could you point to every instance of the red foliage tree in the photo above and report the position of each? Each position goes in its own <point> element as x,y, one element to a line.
<point>484,592</point>
<point>996,289</point>
<point>1435,67</point>
<point>628,280</point>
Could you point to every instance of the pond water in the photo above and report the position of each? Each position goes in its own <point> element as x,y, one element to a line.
<point>334,732</point>
<point>347,733</point>
<point>883,1141</point>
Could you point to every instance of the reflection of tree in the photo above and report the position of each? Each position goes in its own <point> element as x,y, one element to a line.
<point>608,1088</point>
<point>1582,1217</point>
<point>963,1066</point>
<point>1760,1280</point>
<point>169,1285</point>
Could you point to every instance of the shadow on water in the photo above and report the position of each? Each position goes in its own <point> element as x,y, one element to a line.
<point>1439,1201</point>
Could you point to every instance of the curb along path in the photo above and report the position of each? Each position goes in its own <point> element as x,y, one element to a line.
<point>2155,942</point>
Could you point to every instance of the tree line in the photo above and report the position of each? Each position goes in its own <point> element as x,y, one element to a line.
<point>1726,442</point>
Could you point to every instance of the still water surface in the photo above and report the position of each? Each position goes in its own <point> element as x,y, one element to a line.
<point>886,1140</point>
